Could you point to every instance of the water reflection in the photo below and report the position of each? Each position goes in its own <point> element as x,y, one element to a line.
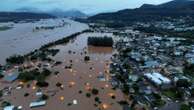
<point>100,50</point>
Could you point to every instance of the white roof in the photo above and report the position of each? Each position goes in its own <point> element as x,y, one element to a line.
<point>38,93</point>
<point>36,104</point>
<point>157,78</point>
<point>75,102</point>
<point>9,107</point>
<point>154,79</point>
<point>162,78</point>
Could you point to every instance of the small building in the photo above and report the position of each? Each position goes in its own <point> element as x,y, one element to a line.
<point>152,64</point>
<point>37,104</point>
<point>11,107</point>
<point>136,56</point>
<point>133,78</point>
<point>158,79</point>
<point>101,77</point>
<point>10,77</point>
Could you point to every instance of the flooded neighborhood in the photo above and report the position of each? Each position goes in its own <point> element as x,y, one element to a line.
<point>73,81</point>
<point>96,55</point>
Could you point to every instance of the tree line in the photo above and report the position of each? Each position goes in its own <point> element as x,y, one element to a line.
<point>101,41</point>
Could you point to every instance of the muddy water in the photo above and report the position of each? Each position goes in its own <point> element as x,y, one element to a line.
<point>21,39</point>
<point>81,77</point>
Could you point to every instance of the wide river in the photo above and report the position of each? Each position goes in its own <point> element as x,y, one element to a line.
<point>22,38</point>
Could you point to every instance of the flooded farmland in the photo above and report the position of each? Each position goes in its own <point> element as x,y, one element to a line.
<point>77,81</point>
<point>22,38</point>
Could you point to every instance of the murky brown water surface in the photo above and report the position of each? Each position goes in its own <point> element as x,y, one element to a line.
<point>81,77</point>
<point>22,39</point>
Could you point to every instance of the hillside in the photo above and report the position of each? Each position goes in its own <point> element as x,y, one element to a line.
<point>18,16</point>
<point>68,13</point>
<point>148,12</point>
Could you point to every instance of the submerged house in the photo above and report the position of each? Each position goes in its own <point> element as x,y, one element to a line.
<point>11,107</point>
<point>37,104</point>
<point>10,77</point>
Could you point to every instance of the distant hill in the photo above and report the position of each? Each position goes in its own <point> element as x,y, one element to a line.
<point>18,16</point>
<point>148,12</point>
<point>28,9</point>
<point>55,12</point>
<point>69,13</point>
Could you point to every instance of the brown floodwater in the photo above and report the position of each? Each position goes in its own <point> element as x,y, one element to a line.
<point>82,77</point>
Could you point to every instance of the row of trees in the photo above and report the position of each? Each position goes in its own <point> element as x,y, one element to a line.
<point>155,30</point>
<point>15,59</point>
<point>40,77</point>
<point>43,55</point>
<point>43,51</point>
<point>64,40</point>
<point>101,41</point>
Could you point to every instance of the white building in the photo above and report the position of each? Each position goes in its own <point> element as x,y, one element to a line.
<point>11,107</point>
<point>157,78</point>
<point>37,104</point>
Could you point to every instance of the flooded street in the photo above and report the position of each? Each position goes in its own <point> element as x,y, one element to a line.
<point>77,81</point>
<point>22,39</point>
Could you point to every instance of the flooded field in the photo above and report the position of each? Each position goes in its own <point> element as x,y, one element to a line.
<point>22,38</point>
<point>77,82</point>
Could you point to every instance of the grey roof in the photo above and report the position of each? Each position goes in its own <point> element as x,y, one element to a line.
<point>11,77</point>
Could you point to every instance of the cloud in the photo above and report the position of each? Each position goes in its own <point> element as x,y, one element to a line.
<point>88,6</point>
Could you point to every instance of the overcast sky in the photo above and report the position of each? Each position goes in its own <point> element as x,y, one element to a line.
<point>87,6</point>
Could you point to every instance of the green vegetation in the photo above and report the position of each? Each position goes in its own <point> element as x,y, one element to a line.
<point>26,94</point>
<point>192,92</point>
<point>185,107</point>
<point>97,99</point>
<point>125,52</point>
<point>95,91</point>
<point>86,58</point>
<point>88,95</point>
<point>172,33</point>
<point>42,84</point>
<point>125,89</point>
<point>183,83</point>
<point>173,93</point>
<point>40,77</point>
<point>58,84</point>
<point>123,102</point>
<point>158,102</point>
<point>5,103</point>
<point>100,41</point>
<point>80,91</point>
<point>29,75</point>
<point>189,69</point>
<point>44,97</point>
<point>127,66</point>
<point>113,97</point>
<point>43,52</point>
<point>1,76</point>
<point>63,40</point>
<point>15,59</point>
<point>4,28</point>
<point>1,93</point>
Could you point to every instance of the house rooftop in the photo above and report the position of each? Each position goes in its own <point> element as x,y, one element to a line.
<point>37,104</point>
<point>11,107</point>
<point>157,78</point>
<point>11,77</point>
